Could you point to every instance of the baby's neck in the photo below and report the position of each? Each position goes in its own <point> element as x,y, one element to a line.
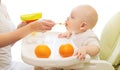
<point>82,31</point>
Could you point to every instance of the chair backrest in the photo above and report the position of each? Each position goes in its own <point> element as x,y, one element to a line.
<point>109,37</point>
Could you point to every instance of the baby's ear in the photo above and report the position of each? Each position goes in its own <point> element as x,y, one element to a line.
<point>84,26</point>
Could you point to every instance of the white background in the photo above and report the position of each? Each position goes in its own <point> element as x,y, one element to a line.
<point>58,10</point>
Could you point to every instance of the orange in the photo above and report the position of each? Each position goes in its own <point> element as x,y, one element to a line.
<point>66,50</point>
<point>42,51</point>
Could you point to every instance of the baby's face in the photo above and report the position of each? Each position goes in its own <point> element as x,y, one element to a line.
<point>73,22</point>
<point>82,17</point>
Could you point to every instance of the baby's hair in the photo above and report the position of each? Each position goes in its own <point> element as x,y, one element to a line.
<point>92,17</point>
<point>90,14</point>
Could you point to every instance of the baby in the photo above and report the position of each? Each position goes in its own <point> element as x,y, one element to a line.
<point>79,24</point>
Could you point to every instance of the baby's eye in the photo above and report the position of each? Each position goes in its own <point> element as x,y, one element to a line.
<point>72,17</point>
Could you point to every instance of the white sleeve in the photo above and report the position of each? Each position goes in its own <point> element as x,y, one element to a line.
<point>92,41</point>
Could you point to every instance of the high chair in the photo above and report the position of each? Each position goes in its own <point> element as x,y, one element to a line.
<point>28,56</point>
<point>110,41</point>
<point>109,50</point>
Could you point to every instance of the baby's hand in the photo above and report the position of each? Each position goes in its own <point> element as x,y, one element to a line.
<point>65,35</point>
<point>80,53</point>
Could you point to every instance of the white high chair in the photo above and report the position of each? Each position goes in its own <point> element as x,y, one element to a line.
<point>109,53</point>
<point>28,56</point>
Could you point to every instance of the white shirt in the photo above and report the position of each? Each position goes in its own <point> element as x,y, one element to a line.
<point>85,39</point>
<point>5,26</point>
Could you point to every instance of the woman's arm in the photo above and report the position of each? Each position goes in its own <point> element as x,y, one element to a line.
<point>12,37</point>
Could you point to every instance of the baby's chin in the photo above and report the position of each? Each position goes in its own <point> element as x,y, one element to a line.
<point>71,30</point>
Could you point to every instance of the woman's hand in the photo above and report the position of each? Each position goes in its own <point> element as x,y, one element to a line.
<point>41,26</point>
<point>22,24</point>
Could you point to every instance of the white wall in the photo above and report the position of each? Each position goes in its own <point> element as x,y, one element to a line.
<point>58,10</point>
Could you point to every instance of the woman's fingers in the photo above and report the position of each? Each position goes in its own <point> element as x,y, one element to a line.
<point>48,23</point>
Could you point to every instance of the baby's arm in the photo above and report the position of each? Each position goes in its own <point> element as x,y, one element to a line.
<point>82,51</point>
<point>92,50</point>
<point>90,47</point>
<point>12,37</point>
